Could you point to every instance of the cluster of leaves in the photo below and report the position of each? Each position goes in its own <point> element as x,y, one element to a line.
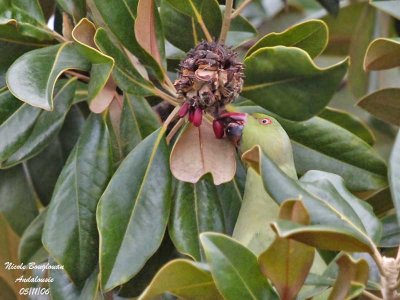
<point>86,177</point>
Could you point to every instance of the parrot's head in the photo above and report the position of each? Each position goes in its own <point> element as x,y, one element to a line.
<point>248,131</point>
<point>236,126</point>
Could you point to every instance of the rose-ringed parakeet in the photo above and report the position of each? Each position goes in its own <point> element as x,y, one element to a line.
<point>252,133</point>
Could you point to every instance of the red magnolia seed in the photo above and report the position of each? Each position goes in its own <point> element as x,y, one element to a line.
<point>197,116</point>
<point>218,129</point>
<point>191,114</point>
<point>183,110</point>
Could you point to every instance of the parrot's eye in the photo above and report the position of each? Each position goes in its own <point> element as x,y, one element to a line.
<point>265,121</point>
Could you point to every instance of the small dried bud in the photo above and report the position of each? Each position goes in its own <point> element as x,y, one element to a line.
<point>209,77</point>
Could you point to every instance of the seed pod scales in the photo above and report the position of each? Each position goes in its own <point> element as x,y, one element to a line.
<point>210,77</point>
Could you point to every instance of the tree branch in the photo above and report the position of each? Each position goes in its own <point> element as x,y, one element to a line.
<point>240,8</point>
<point>227,21</point>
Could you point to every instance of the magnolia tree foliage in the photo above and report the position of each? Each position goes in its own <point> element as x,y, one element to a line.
<point>167,149</point>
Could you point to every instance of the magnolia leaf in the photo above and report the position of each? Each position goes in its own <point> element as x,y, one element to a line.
<point>362,36</point>
<point>311,36</point>
<point>342,28</point>
<point>136,200</point>
<point>121,20</point>
<point>382,54</point>
<point>383,104</point>
<point>240,31</point>
<point>235,269</point>
<point>391,232</point>
<point>17,205</point>
<point>43,175</point>
<point>289,269</point>
<point>352,278</point>
<point>332,208</point>
<point>138,120</point>
<point>101,88</point>
<point>180,21</point>
<point>196,208</point>
<point>126,76</point>
<point>349,122</point>
<point>332,6</point>
<point>323,237</point>
<point>31,248</point>
<point>394,175</point>
<point>70,232</point>
<point>197,152</point>
<point>391,7</point>
<point>286,81</point>
<point>63,289</point>
<point>44,130</point>
<point>76,8</point>
<point>148,30</point>
<point>184,279</point>
<point>32,77</point>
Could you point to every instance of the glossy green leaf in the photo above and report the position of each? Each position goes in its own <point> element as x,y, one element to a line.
<point>391,232</point>
<point>32,77</point>
<point>394,175</point>
<point>100,94</point>
<point>27,18</point>
<point>17,199</point>
<point>330,205</point>
<point>137,200</point>
<point>311,36</point>
<point>349,122</point>
<point>287,262</point>
<point>76,8</point>
<point>362,36</point>
<point>323,236</point>
<point>70,232</point>
<point>383,104</point>
<point>31,247</point>
<point>184,279</point>
<point>138,120</point>
<point>319,144</point>
<point>285,81</point>
<point>331,188</point>
<point>342,28</point>
<point>235,269</point>
<point>240,31</point>
<point>180,22</point>
<point>391,7</point>
<point>43,175</point>
<point>8,105</point>
<point>121,21</point>
<point>45,129</point>
<point>382,53</point>
<point>126,76</point>
<point>231,198</point>
<point>332,6</point>
<point>63,289</point>
<point>352,278</point>
<point>135,287</point>
<point>196,208</point>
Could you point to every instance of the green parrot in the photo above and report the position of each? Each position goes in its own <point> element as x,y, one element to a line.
<point>253,132</point>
